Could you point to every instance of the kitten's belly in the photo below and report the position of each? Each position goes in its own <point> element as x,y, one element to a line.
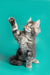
<point>24,47</point>
<point>23,44</point>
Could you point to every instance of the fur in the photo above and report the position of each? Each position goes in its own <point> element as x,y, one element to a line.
<point>26,40</point>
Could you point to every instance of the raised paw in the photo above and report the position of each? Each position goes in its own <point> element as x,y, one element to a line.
<point>35,61</point>
<point>28,66</point>
<point>11,21</point>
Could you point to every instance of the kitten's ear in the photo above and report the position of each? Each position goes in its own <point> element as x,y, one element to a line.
<point>37,23</point>
<point>30,19</point>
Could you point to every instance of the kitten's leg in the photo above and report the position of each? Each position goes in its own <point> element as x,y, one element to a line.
<point>15,61</point>
<point>34,54</point>
<point>35,61</point>
<point>14,27</point>
<point>29,60</point>
<point>12,59</point>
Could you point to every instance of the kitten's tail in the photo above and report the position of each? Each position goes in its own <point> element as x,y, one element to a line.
<point>15,61</point>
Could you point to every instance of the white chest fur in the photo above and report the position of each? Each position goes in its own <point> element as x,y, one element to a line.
<point>23,43</point>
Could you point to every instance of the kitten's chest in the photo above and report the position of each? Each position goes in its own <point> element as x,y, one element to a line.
<point>24,42</point>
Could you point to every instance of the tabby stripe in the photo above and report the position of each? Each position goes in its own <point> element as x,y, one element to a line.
<point>15,31</point>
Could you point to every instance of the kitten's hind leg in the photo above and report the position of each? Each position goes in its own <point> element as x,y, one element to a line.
<point>15,61</point>
<point>35,61</point>
<point>12,57</point>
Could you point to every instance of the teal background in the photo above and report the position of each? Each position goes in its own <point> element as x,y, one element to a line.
<point>21,10</point>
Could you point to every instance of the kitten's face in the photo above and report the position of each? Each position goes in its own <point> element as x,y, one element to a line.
<point>33,27</point>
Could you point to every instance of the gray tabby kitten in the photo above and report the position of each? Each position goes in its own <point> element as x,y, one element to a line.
<point>26,40</point>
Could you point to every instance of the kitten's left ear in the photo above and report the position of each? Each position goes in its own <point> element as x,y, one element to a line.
<point>30,19</point>
<point>38,23</point>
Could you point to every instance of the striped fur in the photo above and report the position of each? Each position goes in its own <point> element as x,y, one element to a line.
<point>26,40</point>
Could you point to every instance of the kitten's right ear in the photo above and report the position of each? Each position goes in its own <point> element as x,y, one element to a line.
<point>30,19</point>
<point>37,23</point>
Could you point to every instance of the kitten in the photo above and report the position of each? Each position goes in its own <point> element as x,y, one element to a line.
<point>26,40</point>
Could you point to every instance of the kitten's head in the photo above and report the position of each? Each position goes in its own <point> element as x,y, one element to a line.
<point>32,26</point>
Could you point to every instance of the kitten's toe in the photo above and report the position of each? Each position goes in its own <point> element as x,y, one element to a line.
<point>28,66</point>
<point>35,61</point>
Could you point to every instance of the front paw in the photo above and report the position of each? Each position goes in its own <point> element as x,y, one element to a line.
<point>28,66</point>
<point>11,21</point>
